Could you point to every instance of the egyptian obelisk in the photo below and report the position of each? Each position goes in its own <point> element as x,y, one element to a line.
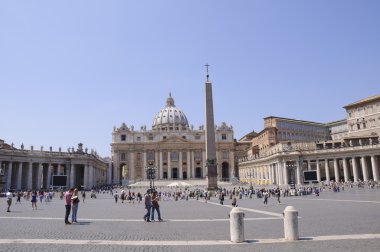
<point>212,182</point>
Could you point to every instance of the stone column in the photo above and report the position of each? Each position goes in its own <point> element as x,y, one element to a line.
<point>375,170</point>
<point>86,177</point>
<point>318,171</point>
<point>91,177</point>
<point>232,164</point>
<point>144,175</point>
<point>355,169</point>
<point>161,167</point>
<point>269,168</point>
<point>286,174</point>
<point>188,165</point>
<point>169,166</point>
<point>72,175</point>
<point>327,170</point>
<point>39,176</point>
<point>180,165</point>
<point>131,167</point>
<point>345,170</point>
<point>48,179</point>
<point>204,167</point>
<point>298,172</point>
<point>157,164</point>
<point>19,176</point>
<point>364,168</point>
<point>29,182</point>
<point>336,170</point>
<point>280,167</point>
<point>109,173</point>
<point>309,165</point>
<point>9,174</point>
<point>192,164</point>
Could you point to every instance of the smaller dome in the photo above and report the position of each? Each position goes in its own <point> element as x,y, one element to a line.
<point>170,117</point>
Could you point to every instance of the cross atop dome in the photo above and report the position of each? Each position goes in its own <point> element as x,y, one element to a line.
<point>170,101</point>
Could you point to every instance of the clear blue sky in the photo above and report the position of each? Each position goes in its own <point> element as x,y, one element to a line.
<point>71,70</point>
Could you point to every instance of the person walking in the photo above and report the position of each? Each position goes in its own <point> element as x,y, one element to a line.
<point>116,196</point>
<point>148,205</point>
<point>19,197</point>
<point>156,207</point>
<point>83,195</point>
<point>9,196</point>
<point>234,202</point>
<point>74,205</point>
<point>277,192</point>
<point>67,202</point>
<point>34,200</point>
<point>266,196</point>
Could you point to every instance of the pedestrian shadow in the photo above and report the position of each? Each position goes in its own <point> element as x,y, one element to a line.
<point>83,223</point>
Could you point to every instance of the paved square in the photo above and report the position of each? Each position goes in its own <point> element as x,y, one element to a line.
<point>344,221</point>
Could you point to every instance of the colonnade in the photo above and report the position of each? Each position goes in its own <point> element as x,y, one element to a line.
<point>285,170</point>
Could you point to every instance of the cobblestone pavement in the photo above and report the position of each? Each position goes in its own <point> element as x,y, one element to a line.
<point>189,223</point>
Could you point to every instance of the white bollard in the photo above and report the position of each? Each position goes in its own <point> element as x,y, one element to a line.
<point>237,225</point>
<point>291,223</point>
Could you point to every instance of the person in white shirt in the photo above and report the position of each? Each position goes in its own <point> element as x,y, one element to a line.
<point>9,196</point>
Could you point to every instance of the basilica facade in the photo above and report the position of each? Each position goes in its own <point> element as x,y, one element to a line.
<point>174,148</point>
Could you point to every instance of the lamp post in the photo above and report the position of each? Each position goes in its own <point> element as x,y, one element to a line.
<point>151,174</point>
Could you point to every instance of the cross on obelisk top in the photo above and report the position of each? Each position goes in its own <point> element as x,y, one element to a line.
<point>207,75</point>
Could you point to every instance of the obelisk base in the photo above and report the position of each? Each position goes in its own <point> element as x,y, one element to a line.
<point>212,179</point>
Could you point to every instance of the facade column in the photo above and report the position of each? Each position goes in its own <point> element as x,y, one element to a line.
<point>286,174</point>
<point>19,176</point>
<point>280,173</point>
<point>109,173</point>
<point>48,179</point>
<point>180,165</point>
<point>144,174</point>
<point>309,165</point>
<point>192,164</point>
<point>298,173</point>
<point>131,167</point>
<point>161,167</point>
<point>156,164</point>
<point>345,170</point>
<point>86,177</point>
<point>169,166</point>
<point>336,170</point>
<point>364,168</point>
<point>318,171</point>
<point>39,176</point>
<point>204,168</point>
<point>327,170</point>
<point>375,170</point>
<point>9,174</point>
<point>29,182</point>
<point>72,175</point>
<point>91,177</point>
<point>188,165</point>
<point>355,169</point>
<point>269,167</point>
<point>232,164</point>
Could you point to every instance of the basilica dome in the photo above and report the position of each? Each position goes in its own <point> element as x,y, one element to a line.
<point>170,117</point>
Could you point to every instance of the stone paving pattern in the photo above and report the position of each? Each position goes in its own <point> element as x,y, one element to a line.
<point>189,220</point>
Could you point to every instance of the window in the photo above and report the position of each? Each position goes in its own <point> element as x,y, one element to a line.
<point>197,137</point>
<point>174,156</point>
<point>150,155</point>
<point>123,137</point>
<point>138,139</point>
<point>164,137</point>
<point>150,137</point>
<point>224,137</point>
<point>225,154</point>
<point>184,137</point>
<point>122,156</point>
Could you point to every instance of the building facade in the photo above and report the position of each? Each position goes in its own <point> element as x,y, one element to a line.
<point>34,169</point>
<point>176,149</point>
<point>345,150</point>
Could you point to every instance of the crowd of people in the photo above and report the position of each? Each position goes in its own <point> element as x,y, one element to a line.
<point>152,197</point>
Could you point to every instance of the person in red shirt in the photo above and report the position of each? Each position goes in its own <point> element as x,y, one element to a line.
<point>67,201</point>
